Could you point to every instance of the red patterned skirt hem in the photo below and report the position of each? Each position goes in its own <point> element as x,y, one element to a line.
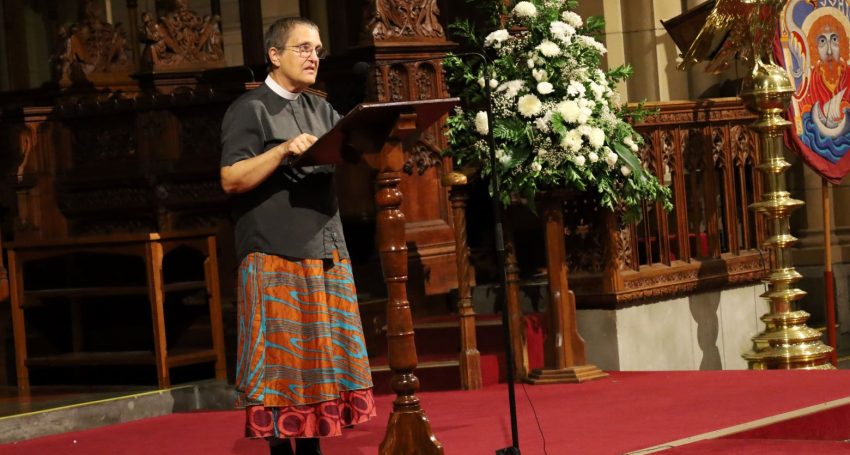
<point>317,420</point>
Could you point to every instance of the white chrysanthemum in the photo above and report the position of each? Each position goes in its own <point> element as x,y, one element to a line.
<point>593,157</point>
<point>525,9</point>
<point>572,19</point>
<point>562,31</point>
<point>529,105</point>
<point>545,88</point>
<point>579,160</point>
<point>572,141</point>
<point>591,42</point>
<point>625,170</point>
<point>601,77</point>
<point>481,123</point>
<point>597,90</point>
<point>610,158</point>
<point>596,138</point>
<point>511,88</point>
<point>576,88</point>
<point>569,111</point>
<point>536,167</point>
<point>496,38</point>
<point>548,48</point>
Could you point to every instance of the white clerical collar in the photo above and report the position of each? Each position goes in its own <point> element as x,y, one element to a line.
<point>282,92</point>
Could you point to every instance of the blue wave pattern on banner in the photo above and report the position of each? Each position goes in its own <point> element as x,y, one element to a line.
<point>830,148</point>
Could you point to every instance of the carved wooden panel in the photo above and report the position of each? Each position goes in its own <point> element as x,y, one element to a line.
<point>181,40</point>
<point>403,19</point>
<point>707,154</point>
<point>91,50</point>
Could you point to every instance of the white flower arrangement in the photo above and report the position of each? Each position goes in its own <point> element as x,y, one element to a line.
<point>556,118</point>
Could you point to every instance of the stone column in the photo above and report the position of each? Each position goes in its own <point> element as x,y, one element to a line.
<point>647,47</point>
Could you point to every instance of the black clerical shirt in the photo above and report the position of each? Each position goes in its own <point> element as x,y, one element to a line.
<point>294,212</point>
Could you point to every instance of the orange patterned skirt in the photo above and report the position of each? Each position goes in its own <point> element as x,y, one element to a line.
<point>302,368</point>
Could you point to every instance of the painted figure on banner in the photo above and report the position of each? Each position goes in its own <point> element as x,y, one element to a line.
<point>815,49</point>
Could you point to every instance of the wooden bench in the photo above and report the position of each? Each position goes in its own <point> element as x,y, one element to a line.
<point>152,247</point>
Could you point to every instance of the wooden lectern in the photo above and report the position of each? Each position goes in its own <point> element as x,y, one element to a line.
<point>379,134</point>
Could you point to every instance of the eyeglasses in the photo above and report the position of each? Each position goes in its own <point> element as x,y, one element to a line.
<point>306,51</point>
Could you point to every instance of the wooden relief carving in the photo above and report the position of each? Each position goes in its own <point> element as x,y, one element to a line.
<point>27,218</point>
<point>91,50</point>
<point>106,199</point>
<point>200,135</point>
<point>405,19</point>
<point>96,143</point>
<point>112,225</point>
<point>668,149</point>
<point>28,141</point>
<point>647,153</point>
<point>624,249</point>
<point>181,40</point>
<point>718,143</point>
<point>188,193</point>
<point>422,157</point>
<point>152,124</point>
<point>426,79</point>
<point>743,143</point>
<point>584,233</point>
<point>398,83</point>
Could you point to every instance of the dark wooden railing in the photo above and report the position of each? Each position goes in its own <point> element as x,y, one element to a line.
<point>705,152</point>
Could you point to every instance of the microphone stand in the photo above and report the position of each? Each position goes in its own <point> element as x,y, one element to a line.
<point>500,260</point>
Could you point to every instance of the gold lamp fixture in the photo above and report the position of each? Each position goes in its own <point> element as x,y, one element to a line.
<point>746,29</point>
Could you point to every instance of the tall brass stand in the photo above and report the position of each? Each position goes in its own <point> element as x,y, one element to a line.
<point>786,343</point>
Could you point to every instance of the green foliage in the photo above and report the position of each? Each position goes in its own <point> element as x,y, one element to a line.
<point>558,121</point>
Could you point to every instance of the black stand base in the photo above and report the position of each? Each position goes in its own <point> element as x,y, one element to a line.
<point>508,451</point>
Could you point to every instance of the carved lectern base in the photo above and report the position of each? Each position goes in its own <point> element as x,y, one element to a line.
<point>569,375</point>
<point>412,435</point>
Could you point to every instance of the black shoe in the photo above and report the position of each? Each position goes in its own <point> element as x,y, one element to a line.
<point>280,447</point>
<point>307,446</point>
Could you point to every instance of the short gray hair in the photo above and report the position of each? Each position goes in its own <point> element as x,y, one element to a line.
<point>279,31</point>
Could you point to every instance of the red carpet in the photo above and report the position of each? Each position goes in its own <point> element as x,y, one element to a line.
<point>627,412</point>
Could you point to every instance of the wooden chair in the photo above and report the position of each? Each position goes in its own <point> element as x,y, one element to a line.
<point>152,247</point>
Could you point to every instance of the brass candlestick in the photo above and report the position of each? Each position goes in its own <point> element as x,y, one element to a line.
<point>747,28</point>
<point>786,343</point>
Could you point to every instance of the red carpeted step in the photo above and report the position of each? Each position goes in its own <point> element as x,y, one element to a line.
<point>438,344</point>
<point>762,447</point>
